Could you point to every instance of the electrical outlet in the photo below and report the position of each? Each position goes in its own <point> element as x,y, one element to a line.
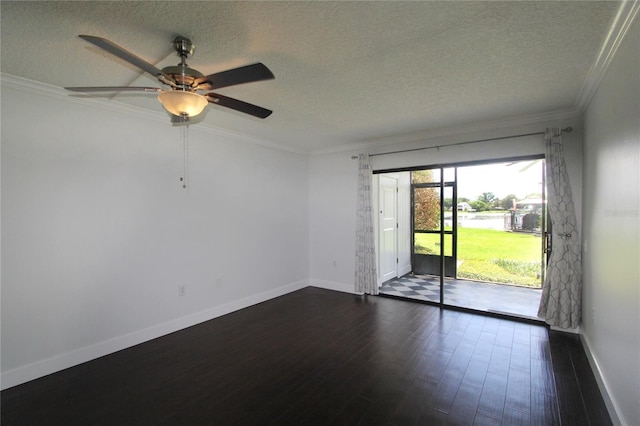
<point>218,282</point>
<point>182,290</point>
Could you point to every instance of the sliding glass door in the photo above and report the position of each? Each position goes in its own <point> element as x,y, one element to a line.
<point>478,235</point>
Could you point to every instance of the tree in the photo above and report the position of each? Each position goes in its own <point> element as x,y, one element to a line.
<point>426,202</point>
<point>427,208</point>
<point>448,203</point>
<point>422,176</point>
<point>508,201</point>
<point>480,205</point>
<point>487,197</point>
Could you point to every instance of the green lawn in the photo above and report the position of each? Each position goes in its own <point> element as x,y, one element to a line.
<point>488,255</point>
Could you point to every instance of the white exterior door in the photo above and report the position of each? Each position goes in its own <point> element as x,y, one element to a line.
<point>388,228</point>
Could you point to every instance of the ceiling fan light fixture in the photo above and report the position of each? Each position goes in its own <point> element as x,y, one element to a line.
<point>179,102</point>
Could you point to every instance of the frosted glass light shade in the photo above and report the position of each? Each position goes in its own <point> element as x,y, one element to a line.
<point>179,102</point>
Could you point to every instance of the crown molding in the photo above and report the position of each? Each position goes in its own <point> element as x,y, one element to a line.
<point>625,16</point>
<point>43,89</point>
<point>428,135</point>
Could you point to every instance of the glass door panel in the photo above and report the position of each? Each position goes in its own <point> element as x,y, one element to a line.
<point>500,237</point>
<point>434,224</point>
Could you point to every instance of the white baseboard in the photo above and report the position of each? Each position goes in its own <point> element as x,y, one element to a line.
<point>331,285</point>
<point>62,361</point>
<point>610,402</point>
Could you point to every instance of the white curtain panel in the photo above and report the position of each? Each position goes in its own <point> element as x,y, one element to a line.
<point>560,304</point>
<point>366,280</point>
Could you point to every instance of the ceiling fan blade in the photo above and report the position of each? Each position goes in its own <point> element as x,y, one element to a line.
<point>245,74</point>
<point>238,105</point>
<point>124,54</point>
<point>113,89</point>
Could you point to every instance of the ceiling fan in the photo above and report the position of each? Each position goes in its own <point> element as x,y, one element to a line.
<point>182,99</point>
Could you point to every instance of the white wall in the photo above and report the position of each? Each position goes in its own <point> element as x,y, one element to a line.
<point>98,234</point>
<point>333,186</point>
<point>611,255</point>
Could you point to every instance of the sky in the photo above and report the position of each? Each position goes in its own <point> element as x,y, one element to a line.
<point>502,179</point>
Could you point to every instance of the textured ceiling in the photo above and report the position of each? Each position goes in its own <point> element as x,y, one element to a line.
<point>346,72</point>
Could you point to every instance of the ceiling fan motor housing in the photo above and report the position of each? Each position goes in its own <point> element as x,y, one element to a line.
<point>183,46</point>
<point>182,74</point>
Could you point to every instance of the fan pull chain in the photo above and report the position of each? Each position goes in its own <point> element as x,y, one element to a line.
<point>185,156</point>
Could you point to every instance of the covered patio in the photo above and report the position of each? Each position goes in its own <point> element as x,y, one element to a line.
<point>483,296</point>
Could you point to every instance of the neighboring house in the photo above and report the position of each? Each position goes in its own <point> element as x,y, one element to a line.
<point>464,206</point>
<point>529,205</point>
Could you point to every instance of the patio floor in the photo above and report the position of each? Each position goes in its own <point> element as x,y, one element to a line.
<point>489,297</point>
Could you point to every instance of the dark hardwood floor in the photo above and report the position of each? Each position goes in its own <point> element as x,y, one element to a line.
<point>318,357</point>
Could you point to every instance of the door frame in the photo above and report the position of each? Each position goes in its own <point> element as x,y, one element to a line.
<point>434,264</point>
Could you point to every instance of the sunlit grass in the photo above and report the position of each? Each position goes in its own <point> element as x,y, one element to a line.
<point>490,255</point>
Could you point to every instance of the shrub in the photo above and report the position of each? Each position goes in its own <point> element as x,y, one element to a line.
<point>519,267</point>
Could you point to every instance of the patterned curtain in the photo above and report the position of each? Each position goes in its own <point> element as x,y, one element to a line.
<point>560,304</point>
<point>366,275</point>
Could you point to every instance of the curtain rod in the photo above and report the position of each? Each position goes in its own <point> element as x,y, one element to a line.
<point>566,130</point>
